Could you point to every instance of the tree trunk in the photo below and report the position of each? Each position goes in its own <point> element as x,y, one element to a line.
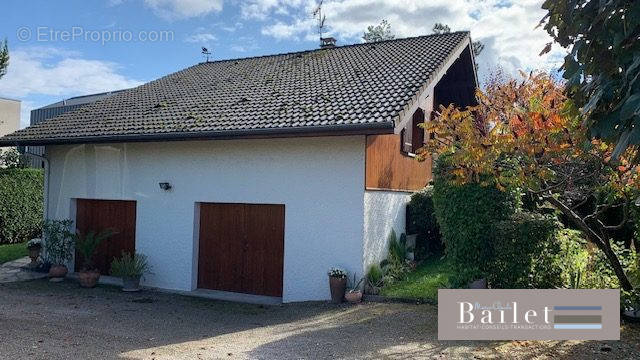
<point>617,268</point>
<point>593,237</point>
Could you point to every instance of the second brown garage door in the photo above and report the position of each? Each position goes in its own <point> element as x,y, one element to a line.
<point>241,248</point>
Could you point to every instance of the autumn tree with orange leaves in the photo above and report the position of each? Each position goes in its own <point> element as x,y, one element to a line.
<point>526,134</point>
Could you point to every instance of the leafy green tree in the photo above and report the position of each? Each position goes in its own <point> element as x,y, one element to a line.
<point>379,32</point>
<point>603,64</point>
<point>4,58</point>
<point>12,159</point>
<point>440,28</point>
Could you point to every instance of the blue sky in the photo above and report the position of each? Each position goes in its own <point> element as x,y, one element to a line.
<point>65,48</point>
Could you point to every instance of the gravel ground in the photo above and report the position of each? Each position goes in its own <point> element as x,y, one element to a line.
<point>40,320</point>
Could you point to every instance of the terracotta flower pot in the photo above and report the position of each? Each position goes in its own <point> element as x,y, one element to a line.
<point>57,273</point>
<point>338,287</point>
<point>88,279</point>
<point>353,296</point>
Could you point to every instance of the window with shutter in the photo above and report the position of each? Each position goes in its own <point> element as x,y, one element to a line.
<point>413,135</point>
<point>418,132</point>
<point>406,146</point>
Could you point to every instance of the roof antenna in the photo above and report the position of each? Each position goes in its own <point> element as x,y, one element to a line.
<point>324,42</point>
<point>206,53</point>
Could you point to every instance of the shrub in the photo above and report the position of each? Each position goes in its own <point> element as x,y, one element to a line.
<point>373,279</point>
<point>573,257</point>
<point>467,215</point>
<point>374,275</point>
<point>421,220</point>
<point>58,243</point>
<point>21,204</point>
<point>130,266</point>
<point>584,266</point>
<point>396,266</point>
<point>524,253</point>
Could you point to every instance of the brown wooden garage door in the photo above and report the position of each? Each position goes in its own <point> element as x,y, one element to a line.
<point>98,215</point>
<point>241,248</point>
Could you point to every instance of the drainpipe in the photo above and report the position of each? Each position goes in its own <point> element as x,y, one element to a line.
<point>46,181</point>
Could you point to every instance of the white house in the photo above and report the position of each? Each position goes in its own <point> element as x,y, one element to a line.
<point>256,175</point>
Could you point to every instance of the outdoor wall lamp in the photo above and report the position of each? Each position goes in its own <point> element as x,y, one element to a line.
<point>165,186</point>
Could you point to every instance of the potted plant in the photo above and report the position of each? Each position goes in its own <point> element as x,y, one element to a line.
<point>34,246</point>
<point>354,294</point>
<point>58,247</point>
<point>130,269</point>
<point>337,284</point>
<point>86,247</point>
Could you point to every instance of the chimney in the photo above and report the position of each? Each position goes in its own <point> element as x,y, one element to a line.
<point>327,42</point>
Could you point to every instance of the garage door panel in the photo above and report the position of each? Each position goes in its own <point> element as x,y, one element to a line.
<point>220,228</point>
<point>99,215</point>
<point>242,247</point>
<point>265,232</point>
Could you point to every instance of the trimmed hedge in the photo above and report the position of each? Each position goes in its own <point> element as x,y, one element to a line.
<point>421,220</point>
<point>468,216</point>
<point>525,252</point>
<point>21,204</point>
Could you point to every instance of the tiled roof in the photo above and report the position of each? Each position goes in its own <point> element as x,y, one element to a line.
<point>350,87</point>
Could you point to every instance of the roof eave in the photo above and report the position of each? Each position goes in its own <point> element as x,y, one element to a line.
<point>386,127</point>
<point>411,106</point>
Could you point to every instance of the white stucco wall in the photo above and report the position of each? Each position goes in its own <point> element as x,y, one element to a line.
<point>320,181</point>
<point>384,211</point>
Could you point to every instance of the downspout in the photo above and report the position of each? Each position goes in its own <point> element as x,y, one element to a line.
<point>46,182</point>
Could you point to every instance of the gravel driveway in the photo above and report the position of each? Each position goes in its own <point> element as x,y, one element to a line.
<point>40,320</point>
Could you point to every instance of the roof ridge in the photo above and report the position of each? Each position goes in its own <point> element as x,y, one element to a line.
<point>331,48</point>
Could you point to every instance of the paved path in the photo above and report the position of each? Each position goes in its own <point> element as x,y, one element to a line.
<point>17,270</point>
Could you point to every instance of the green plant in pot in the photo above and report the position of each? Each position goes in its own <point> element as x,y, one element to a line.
<point>337,284</point>
<point>58,247</point>
<point>130,269</point>
<point>34,246</point>
<point>86,247</point>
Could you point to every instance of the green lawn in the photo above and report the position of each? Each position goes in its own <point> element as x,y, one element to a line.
<point>10,252</point>
<point>423,283</point>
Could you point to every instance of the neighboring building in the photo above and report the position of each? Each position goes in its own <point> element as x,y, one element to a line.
<point>9,116</point>
<point>50,111</point>
<point>256,175</point>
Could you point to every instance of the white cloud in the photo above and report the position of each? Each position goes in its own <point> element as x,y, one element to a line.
<point>262,9</point>
<point>232,28</point>
<point>281,30</point>
<point>201,38</point>
<point>40,71</point>
<point>183,9</point>
<point>506,27</point>
<point>49,71</point>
